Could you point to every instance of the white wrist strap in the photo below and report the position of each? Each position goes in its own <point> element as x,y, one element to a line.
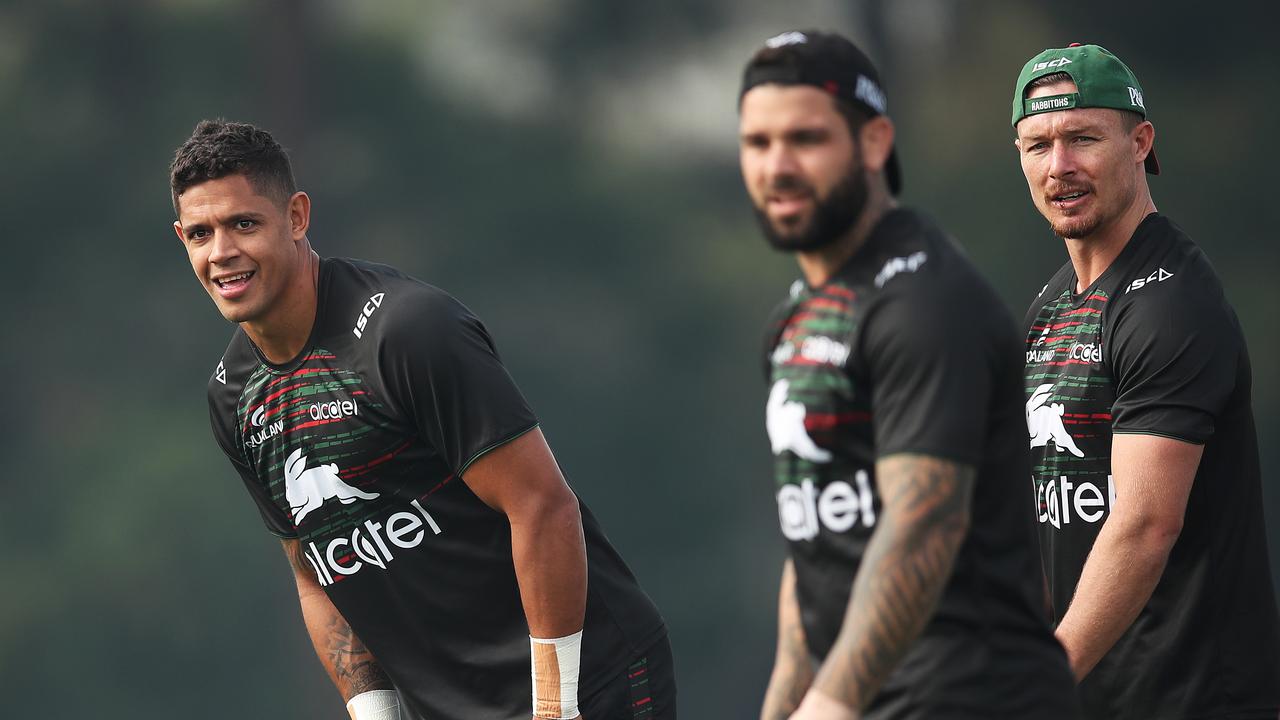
<point>374,705</point>
<point>556,662</point>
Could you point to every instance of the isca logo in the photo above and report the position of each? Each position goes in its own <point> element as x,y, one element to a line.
<point>1050,64</point>
<point>366,312</point>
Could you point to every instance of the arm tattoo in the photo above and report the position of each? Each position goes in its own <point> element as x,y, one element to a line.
<point>794,667</point>
<point>349,663</point>
<point>904,569</point>
<point>354,667</point>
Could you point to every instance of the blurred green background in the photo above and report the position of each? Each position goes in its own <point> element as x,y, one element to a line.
<point>558,165</point>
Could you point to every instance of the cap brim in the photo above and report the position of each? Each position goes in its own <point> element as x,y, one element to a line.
<point>1153,165</point>
<point>893,172</point>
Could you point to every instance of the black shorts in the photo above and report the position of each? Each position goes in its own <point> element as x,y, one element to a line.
<point>645,691</point>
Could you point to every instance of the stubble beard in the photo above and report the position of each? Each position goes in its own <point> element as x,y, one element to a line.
<point>1076,227</point>
<point>1083,227</point>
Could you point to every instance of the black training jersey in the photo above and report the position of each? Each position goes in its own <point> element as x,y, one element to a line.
<point>908,350</point>
<point>357,448</point>
<point>1152,347</point>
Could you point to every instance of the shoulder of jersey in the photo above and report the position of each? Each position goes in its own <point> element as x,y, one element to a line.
<point>1173,269</point>
<point>372,297</point>
<point>913,257</point>
<point>232,370</point>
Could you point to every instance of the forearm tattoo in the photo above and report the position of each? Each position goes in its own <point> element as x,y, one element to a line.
<point>354,667</point>
<point>794,670</point>
<point>903,571</point>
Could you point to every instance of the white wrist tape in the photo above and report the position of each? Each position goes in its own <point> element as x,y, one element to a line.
<point>555,676</point>
<point>374,705</point>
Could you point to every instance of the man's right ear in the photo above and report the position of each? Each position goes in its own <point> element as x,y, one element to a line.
<point>876,139</point>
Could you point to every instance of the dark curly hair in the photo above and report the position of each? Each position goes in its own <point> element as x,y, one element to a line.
<point>218,148</point>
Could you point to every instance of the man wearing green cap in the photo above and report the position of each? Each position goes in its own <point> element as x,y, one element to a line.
<point>1144,453</point>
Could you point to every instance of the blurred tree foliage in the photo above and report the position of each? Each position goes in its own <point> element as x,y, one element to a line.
<point>568,169</point>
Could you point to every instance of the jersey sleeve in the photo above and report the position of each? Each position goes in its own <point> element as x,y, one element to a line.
<point>1174,355</point>
<point>930,381</point>
<point>443,370</point>
<point>273,517</point>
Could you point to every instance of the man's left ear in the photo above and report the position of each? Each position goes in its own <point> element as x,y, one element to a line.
<point>299,215</point>
<point>876,137</point>
<point>1144,138</point>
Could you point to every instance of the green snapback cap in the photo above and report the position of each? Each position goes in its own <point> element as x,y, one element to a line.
<point>1101,79</point>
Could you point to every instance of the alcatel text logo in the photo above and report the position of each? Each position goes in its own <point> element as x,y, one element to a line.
<point>370,544</point>
<point>802,510</point>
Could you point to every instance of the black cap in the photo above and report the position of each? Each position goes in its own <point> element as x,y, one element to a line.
<point>826,61</point>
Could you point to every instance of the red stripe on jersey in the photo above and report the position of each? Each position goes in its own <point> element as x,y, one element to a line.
<point>826,421</point>
<point>819,303</point>
<point>1081,311</point>
<point>278,393</point>
<point>362,469</point>
<point>296,373</point>
<point>313,423</point>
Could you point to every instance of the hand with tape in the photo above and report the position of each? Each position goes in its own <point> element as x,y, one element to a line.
<point>555,666</point>
<point>374,705</point>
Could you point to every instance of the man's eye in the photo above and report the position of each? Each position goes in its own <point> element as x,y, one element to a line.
<point>245,224</point>
<point>197,234</point>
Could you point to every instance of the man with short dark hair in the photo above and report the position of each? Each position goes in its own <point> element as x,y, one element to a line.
<point>1144,454</point>
<point>912,589</point>
<point>436,547</point>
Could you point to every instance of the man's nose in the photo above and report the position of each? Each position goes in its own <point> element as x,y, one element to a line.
<point>781,161</point>
<point>222,247</point>
<point>1062,161</point>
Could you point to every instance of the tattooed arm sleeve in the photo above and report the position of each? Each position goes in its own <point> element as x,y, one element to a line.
<point>349,663</point>
<point>792,668</point>
<point>905,567</point>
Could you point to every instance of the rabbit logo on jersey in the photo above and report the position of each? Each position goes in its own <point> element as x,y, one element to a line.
<point>306,489</point>
<point>1044,422</point>
<point>784,419</point>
